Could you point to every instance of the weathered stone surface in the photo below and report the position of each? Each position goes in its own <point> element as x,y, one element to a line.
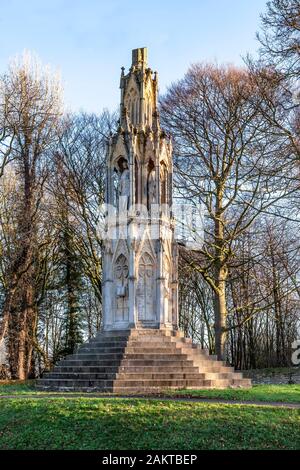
<point>140,361</point>
<point>139,250</point>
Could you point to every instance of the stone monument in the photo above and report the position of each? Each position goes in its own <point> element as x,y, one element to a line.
<point>140,255</point>
<point>139,348</point>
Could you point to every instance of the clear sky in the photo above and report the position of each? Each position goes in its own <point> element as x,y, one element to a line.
<point>89,40</point>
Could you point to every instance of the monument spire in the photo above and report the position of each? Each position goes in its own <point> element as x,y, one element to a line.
<point>139,91</point>
<point>140,57</point>
<point>140,264</point>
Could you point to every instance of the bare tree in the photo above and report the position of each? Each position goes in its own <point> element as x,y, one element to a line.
<point>224,161</point>
<point>81,170</point>
<point>276,72</point>
<point>33,99</point>
<point>263,298</point>
<point>280,36</point>
<point>6,130</point>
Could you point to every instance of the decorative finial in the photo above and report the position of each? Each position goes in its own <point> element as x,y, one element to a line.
<point>122,77</point>
<point>140,57</point>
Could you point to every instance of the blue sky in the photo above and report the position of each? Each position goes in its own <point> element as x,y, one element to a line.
<point>89,40</point>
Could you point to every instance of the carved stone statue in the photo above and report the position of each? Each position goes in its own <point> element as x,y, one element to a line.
<point>121,289</point>
<point>151,188</point>
<point>124,188</point>
<point>163,183</point>
<point>145,289</point>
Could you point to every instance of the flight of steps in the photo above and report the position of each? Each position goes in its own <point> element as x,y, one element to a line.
<point>138,361</point>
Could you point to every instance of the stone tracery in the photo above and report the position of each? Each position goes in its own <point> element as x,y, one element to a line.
<point>137,294</point>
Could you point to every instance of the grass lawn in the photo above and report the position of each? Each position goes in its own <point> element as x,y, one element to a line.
<point>279,393</point>
<point>16,387</point>
<point>115,423</point>
<point>263,393</point>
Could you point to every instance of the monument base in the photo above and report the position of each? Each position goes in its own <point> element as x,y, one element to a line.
<point>140,361</point>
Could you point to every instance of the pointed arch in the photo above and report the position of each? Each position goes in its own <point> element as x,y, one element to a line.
<point>137,181</point>
<point>151,184</point>
<point>145,292</point>
<point>163,183</point>
<point>120,273</point>
<point>121,267</point>
<point>120,249</point>
<point>146,246</point>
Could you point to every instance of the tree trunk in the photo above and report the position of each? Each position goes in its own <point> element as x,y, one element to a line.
<point>220,320</point>
<point>220,309</point>
<point>26,325</point>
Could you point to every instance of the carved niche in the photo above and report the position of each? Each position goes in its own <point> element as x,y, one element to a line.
<point>123,185</point>
<point>151,185</point>
<point>163,183</point>
<point>121,288</point>
<point>145,293</point>
<point>167,290</point>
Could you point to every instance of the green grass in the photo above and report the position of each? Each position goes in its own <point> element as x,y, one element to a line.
<point>263,393</point>
<point>259,393</point>
<point>88,423</point>
<point>16,387</point>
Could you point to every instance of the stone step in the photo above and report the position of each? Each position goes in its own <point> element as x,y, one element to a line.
<point>155,332</point>
<point>182,368</point>
<point>168,359</point>
<point>165,361</point>
<point>124,376</point>
<point>140,360</point>
<point>103,349</point>
<point>141,391</point>
<point>75,388</point>
<point>180,340</point>
<point>194,349</point>
<point>222,383</point>
<point>163,383</point>
<point>146,349</point>
<point>98,356</point>
<point>142,349</point>
<point>92,363</point>
<point>222,375</point>
<point>153,355</point>
<point>242,382</point>
<point>108,341</point>
<point>155,340</point>
<point>155,389</point>
<point>118,333</point>
<point>213,368</point>
<point>178,375</point>
<point>81,376</point>
<point>199,359</point>
<point>189,346</point>
<point>141,334</point>
<point>195,355</point>
<point>130,386</point>
<point>86,369</point>
<point>100,384</point>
